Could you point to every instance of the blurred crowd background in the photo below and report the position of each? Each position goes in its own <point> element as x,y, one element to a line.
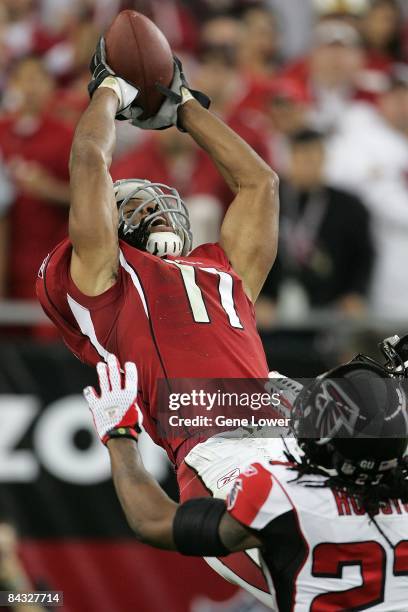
<point>319,88</point>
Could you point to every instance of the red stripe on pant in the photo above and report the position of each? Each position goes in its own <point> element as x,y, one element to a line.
<point>240,563</point>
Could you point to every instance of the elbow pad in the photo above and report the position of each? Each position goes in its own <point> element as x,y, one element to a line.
<point>196,528</point>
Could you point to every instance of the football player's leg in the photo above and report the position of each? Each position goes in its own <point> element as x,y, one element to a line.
<point>210,469</point>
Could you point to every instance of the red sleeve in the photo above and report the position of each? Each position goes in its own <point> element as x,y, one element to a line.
<point>58,294</point>
<point>257,497</point>
<point>249,493</point>
<point>211,251</point>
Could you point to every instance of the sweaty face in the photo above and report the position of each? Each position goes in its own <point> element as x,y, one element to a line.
<point>160,224</point>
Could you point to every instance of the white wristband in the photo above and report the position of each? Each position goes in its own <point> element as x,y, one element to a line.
<point>112,83</point>
<point>186,96</point>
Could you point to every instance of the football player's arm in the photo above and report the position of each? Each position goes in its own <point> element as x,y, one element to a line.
<point>249,232</point>
<point>150,512</point>
<point>93,217</point>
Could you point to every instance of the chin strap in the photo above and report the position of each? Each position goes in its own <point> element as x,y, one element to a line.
<point>162,244</point>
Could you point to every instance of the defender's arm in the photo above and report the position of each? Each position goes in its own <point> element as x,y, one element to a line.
<point>150,512</point>
<point>148,509</point>
<point>249,232</point>
<point>93,217</point>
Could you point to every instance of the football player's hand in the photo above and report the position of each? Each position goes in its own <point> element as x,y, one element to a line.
<point>287,389</point>
<point>103,76</point>
<point>175,96</point>
<point>115,411</point>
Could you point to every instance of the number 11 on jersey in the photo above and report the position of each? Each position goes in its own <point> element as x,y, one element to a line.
<point>195,296</point>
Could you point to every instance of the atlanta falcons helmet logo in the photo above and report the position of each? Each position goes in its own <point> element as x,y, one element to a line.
<point>337,414</point>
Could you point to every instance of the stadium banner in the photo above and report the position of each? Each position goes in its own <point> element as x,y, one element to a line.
<point>55,483</point>
<point>55,487</point>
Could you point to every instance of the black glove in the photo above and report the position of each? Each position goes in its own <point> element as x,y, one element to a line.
<point>100,71</point>
<point>98,67</point>
<point>176,95</point>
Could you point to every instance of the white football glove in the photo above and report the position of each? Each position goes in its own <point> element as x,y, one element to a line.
<point>115,412</point>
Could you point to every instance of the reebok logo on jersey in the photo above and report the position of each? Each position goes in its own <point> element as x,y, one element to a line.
<point>228,477</point>
<point>42,267</point>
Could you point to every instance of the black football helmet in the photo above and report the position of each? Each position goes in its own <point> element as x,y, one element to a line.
<point>354,418</point>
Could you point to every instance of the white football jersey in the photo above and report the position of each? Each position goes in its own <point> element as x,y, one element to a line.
<point>322,553</point>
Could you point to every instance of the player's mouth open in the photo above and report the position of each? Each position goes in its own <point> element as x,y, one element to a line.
<point>160,225</point>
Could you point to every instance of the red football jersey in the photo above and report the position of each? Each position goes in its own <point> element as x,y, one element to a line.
<point>185,317</point>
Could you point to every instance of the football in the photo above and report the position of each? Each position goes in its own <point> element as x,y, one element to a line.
<point>138,51</point>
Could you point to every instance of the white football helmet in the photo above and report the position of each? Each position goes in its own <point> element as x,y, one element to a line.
<point>167,204</point>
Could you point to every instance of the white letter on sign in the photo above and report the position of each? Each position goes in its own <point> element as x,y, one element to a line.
<point>16,414</point>
<point>54,443</point>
